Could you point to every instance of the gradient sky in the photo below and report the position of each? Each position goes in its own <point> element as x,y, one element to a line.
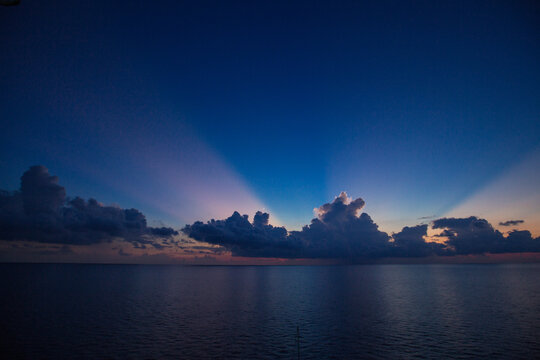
<point>192,110</point>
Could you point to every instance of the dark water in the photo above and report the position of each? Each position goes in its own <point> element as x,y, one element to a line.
<point>380,311</point>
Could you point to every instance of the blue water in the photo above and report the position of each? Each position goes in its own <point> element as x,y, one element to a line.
<point>343,312</point>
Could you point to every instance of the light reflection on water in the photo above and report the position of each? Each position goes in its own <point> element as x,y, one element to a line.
<point>375,311</point>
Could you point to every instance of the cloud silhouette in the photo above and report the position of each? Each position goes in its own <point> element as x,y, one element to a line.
<point>469,235</point>
<point>41,212</point>
<point>511,222</point>
<point>243,238</point>
<point>410,242</point>
<point>476,236</point>
<point>341,231</point>
<point>337,232</point>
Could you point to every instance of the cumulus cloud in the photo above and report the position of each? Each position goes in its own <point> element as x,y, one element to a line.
<point>41,212</point>
<point>333,234</point>
<point>341,231</point>
<point>243,238</point>
<point>511,222</point>
<point>410,242</point>
<point>469,235</point>
<point>477,236</point>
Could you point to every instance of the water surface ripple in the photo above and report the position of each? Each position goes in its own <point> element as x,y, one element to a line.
<point>242,312</point>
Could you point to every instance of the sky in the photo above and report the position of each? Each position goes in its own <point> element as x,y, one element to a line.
<point>190,111</point>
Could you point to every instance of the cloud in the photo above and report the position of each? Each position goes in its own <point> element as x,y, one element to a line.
<point>477,236</point>
<point>521,241</point>
<point>41,212</point>
<point>342,231</point>
<point>410,242</point>
<point>338,231</point>
<point>470,235</point>
<point>242,238</point>
<point>163,231</point>
<point>511,222</point>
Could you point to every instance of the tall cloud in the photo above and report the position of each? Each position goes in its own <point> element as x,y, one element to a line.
<point>338,231</point>
<point>341,231</point>
<point>41,212</point>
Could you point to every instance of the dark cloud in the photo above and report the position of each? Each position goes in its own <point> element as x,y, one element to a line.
<point>163,231</point>
<point>410,242</point>
<point>470,235</point>
<point>41,194</point>
<point>41,212</point>
<point>341,231</point>
<point>243,238</point>
<point>521,241</point>
<point>511,222</point>
<point>476,236</point>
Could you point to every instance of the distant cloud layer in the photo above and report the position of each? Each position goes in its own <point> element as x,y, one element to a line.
<point>342,231</point>
<point>41,212</point>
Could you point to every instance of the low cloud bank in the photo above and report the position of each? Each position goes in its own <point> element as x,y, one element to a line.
<point>341,230</point>
<point>41,212</point>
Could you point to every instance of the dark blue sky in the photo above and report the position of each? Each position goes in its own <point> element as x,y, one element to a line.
<point>190,110</point>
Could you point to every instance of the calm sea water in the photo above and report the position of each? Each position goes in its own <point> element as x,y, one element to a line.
<point>345,312</point>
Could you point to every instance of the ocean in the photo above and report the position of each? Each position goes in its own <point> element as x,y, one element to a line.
<point>66,311</point>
